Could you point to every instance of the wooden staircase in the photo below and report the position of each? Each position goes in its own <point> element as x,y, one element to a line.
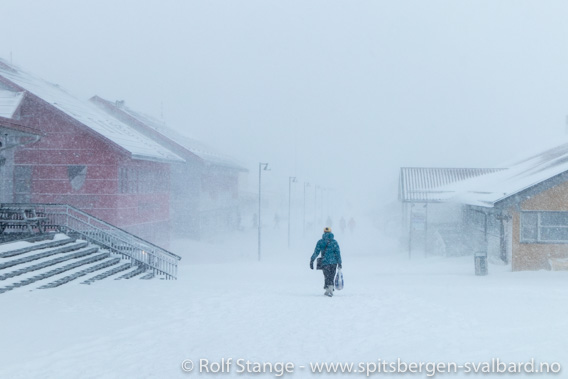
<point>59,260</point>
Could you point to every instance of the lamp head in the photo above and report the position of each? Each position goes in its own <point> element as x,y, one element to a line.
<point>264,166</point>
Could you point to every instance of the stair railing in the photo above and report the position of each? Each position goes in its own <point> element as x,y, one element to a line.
<point>69,219</point>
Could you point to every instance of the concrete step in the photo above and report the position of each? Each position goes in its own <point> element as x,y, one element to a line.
<point>60,260</point>
<point>38,266</point>
<point>75,270</point>
<point>131,268</point>
<point>108,273</point>
<point>49,252</point>
<point>56,271</point>
<point>139,270</point>
<point>148,276</point>
<point>11,237</point>
<point>32,246</point>
<point>107,263</point>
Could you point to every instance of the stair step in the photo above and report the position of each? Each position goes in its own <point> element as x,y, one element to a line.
<point>39,266</point>
<point>67,279</point>
<point>148,276</point>
<point>132,273</point>
<point>23,237</point>
<point>108,273</point>
<point>36,246</point>
<point>56,271</point>
<point>64,249</point>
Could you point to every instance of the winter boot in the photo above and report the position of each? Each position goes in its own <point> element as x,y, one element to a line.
<point>329,291</point>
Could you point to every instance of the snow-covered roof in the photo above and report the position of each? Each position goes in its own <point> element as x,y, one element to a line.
<point>9,102</point>
<point>203,151</point>
<point>206,153</point>
<point>487,190</point>
<point>426,184</point>
<point>138,145</point>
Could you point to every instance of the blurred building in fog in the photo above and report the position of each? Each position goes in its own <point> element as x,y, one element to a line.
<point>430,224</point>
<point>204,188</point>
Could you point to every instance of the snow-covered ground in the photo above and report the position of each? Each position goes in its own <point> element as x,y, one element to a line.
<point>226,304</point>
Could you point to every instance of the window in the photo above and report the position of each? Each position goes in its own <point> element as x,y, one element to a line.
<point>22,179</point>
<point>140,180</point>
<point>77,176</point>
<point>123,180</point>
<point>544,227</point>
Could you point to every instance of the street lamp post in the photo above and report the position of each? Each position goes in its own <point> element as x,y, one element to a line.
<point>304,226</point>
<point>323,194</point>
<point>316,204</point>
<point>291,179</point>
<point>261,166</point>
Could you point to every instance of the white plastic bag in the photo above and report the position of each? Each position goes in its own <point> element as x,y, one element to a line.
<point>338,280</point>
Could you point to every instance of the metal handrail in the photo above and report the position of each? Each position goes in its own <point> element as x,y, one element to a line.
<point>70,219</point>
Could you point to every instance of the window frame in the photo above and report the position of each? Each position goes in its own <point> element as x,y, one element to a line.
<point>539,228</point>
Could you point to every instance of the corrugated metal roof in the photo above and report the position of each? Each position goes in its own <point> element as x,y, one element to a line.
<point>425,184</point>
<point>88,114</point>
<point>9,102</point>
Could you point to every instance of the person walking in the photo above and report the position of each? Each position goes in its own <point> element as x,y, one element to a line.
<point>351,225</point>
<point>342,224</point>
<point>330,259</point>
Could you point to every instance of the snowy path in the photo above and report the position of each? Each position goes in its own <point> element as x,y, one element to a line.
<point>227,305</point>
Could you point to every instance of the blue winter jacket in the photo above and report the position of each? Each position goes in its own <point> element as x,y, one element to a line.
<point>331,255</point>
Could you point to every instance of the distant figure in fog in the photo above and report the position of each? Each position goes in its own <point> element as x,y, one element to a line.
<point>238,221</point>
<point>276,221</point>
<point>342,224</point>
<point>331,259</point>
<point>351,225</point>
<point>255,220</point>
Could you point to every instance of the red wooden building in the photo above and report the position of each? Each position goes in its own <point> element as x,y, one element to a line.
<point>204,188</point>
<point>88,159</point>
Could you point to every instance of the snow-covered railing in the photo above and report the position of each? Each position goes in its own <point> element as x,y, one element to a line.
<point>74,221</point>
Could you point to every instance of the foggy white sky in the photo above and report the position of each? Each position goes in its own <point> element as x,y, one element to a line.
<point>339,93</point>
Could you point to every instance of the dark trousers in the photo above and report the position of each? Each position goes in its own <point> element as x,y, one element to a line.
<point>329,274</point>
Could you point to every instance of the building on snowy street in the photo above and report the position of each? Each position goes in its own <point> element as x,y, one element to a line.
<point>517,214</point>
<point>87,159</point>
